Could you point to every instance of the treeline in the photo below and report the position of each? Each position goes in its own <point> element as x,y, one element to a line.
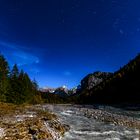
<point>122,87</point>
<point>17,87</point>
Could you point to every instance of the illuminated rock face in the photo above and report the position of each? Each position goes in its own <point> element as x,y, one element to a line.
<point>94,79</point>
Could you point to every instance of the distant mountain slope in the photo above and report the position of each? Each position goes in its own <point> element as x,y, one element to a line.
<point>122,87</point>
<point>94,79</point>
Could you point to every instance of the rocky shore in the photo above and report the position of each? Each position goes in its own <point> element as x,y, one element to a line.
<point>116,119</point>
<point>88,122</point>
<point>29,123</point>
<point>40,123</point>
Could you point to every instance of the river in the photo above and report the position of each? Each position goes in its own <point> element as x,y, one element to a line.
<point>84,128</point>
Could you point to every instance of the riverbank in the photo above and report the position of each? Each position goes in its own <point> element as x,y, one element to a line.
<point>116,119</point>
<point>29,123</point>
<point>84,126</point>
<point>64,122</point>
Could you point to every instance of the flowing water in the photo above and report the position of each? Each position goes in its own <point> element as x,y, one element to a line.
<point>83,128</point>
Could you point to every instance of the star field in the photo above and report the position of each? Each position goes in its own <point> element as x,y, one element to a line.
<point>58,42</point>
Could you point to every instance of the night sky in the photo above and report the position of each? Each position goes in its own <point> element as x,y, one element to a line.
<point>58,42</point>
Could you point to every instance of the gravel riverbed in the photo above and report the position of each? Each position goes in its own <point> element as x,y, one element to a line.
<point>68,122</point>
<point>87,123</point>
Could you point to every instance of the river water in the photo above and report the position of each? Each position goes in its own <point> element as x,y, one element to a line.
<point>83,128</point>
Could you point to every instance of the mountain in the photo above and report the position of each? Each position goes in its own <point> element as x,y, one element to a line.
<point>123,86</point>
<point>47,89</point>
<point>87,83</point>
<point>62,91</point>
<point>92,80</point>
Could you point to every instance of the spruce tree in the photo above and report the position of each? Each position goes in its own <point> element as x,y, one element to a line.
<point>35,85</point>
<point>16,86</point>
<point>14,95</point>
<point>4,82</point>
<point>15,72</point>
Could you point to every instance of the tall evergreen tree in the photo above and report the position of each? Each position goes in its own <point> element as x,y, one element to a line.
<point>26,86</point>
<point>16,86</point>
<point>14,95</point>
<point>4,82</point>
<point>15,72</point>
<point>35,85</point>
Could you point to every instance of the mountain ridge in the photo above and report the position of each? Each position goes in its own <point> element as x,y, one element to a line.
<point>121,87</point>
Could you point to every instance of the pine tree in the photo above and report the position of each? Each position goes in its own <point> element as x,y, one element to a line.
<point>35,85</point>
<point>4,82</point>
<point>27,86</point>
<point>15,72</point>
<point>14,96</point>
<point>16,86</point>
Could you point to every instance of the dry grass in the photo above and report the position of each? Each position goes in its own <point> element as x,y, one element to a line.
<point>20,129</point>
<point>7,109</point>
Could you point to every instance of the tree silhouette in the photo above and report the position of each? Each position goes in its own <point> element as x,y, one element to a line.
<point>4,81</point>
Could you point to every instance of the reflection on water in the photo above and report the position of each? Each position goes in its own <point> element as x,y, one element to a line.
<point>83,128</point>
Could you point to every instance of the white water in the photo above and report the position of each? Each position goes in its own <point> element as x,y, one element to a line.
<point>83,128</point>
<point>1,132</point>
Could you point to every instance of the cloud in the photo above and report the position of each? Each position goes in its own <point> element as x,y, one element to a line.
<point>23,58</point>
<point>11,46</point>
<point>17,54</point>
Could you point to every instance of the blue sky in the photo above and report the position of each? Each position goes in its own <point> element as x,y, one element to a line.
<point>59,42</point>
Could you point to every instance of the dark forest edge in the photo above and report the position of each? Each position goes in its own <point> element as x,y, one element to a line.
<point>120,87</point>
<point>16,87</point>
